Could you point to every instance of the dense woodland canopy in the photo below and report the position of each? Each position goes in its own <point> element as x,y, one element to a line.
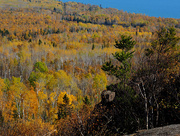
<point>56,58</point>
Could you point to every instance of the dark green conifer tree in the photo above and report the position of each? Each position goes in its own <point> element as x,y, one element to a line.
<point>86,101</point>
<point>64,109</point>
<point>123,68</point>
<point>93,46</point>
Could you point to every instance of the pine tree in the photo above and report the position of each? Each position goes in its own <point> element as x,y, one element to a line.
<point>40,42</point>
<point>123,69</point>
<point>66,99</point>
<point>86,101</point>
<point>64,109</point>
<point>93,46</point>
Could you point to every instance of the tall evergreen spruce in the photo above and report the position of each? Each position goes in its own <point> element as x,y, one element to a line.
<point>123,68</point>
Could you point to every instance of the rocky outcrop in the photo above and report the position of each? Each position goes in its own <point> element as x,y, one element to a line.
<point>171,130</point>
<point>107,96</point>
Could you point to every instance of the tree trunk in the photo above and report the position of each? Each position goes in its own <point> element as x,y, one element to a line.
<point>152,117</point>
<point>157,116</point>
<point>147,118</point>
<point>157,113</point>
<point>143,93</point>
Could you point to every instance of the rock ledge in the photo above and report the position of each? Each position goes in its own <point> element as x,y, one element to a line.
<point>171,130</point>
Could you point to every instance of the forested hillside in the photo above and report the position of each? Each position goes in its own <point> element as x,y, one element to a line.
<point>56,58</point>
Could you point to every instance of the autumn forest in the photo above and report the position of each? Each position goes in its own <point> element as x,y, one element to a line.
<point>57,58</point>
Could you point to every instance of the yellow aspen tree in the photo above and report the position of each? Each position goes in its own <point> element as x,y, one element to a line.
<point>99,84</point>
<point>32,104</point>
<point>18,90</point>
<point>2,101</point>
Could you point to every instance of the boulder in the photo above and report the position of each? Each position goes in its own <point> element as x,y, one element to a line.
<point>107,96</point>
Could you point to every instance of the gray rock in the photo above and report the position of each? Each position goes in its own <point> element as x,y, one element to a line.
<point>171,130</point>
<point>107,96</point>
